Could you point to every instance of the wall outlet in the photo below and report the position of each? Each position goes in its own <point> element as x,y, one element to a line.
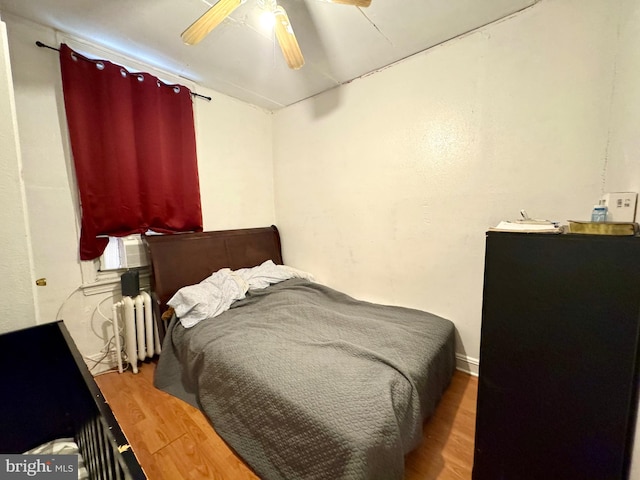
<point>621,206</point>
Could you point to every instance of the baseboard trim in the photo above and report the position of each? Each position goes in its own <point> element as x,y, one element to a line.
<point>468,365</point>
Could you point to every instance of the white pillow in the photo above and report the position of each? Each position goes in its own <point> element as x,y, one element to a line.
<point>207,299</point>
<point>215,294</point>
<point>269,273</point>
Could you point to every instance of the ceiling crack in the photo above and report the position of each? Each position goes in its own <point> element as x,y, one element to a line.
<point>375,26</point>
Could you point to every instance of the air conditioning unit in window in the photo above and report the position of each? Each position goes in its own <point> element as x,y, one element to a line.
<point>132,252</point>
<point>124,252</point>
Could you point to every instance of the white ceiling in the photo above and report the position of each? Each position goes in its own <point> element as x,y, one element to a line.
<point>242,60</point>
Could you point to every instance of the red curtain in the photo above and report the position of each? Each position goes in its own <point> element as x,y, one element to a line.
<point>134,149</point>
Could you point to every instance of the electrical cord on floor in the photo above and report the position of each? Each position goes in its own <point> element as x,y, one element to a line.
<point>111,370</point>
<point>106,351</point>
<point>108,346</point>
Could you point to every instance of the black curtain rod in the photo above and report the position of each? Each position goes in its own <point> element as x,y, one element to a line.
<point>42,45</point>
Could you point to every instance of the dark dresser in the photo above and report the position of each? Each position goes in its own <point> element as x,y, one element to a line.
<point>557,393</point>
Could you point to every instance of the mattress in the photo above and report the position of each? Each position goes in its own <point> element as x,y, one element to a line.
<point>305,382</point>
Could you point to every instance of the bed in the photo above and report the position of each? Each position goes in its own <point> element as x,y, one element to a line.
<point>50,405</point>
<point>302,381</point>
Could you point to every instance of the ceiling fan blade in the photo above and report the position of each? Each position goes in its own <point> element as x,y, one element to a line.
<point>356,3</point>
<point>287,39</point>
<point>210,20</point>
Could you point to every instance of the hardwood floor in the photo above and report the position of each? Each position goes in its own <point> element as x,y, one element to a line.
<point>174,441</point>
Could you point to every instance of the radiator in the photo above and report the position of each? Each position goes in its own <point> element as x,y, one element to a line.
<point>140,332</point>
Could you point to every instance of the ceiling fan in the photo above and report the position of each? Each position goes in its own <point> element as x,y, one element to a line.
<point>284,32</point>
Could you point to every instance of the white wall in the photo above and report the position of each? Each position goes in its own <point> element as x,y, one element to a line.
<point>235,163</point>
<point>16,279</point>
<point>386,186</point>
<point>235,169</point>
<point>623,168</point>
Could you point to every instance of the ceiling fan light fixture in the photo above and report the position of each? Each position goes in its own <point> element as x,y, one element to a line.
<point>267,18</point>
<point>273,13</point>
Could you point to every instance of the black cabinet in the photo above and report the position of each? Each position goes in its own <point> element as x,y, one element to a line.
<point>557,392</point>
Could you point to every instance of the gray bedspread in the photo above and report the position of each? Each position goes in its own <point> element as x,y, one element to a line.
<point>304,382</point>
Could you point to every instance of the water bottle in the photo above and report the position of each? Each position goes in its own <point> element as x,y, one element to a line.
<point>599,213</point>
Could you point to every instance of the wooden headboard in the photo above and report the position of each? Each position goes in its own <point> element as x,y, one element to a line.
<point>184,259</point>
